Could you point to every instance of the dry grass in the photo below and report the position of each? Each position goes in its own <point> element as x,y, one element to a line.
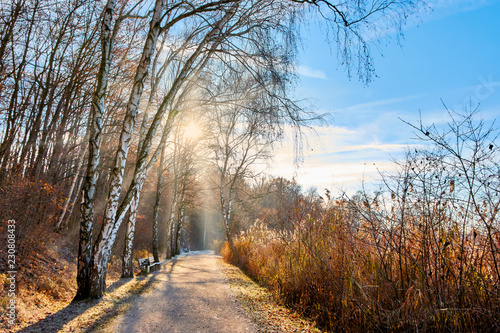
<point>338,277</point>
<point>419,253</point>
<point>48,287</point>
<point>262,306</point>
<point>93,316</point>
<point>45,284</point>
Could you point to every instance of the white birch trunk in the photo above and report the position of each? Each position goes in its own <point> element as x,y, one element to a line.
<point>86,225</point>
<point>172,228</point>
<point>226,206</point>
<point>128,248</point>
<point>157,207</point>
<point>107,236</point>
<point>179,230</point>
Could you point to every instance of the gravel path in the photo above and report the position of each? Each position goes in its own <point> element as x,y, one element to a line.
<point>194,297</point>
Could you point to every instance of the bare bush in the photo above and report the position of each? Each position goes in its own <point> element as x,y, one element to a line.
<point>420,255</point>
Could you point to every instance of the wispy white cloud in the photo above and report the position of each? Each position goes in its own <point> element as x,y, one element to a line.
<point>337,177</point>
<point>369,134</point>
<point>484,87</point>
<point>311,72</point>
<point>336,157</point>
<point>373,147</point>
<point>376,104</point>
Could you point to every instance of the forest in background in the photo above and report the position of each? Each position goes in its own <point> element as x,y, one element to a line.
<point>137,127</point>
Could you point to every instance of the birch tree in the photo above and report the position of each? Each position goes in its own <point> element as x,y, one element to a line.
<point>156,208</point>
<point>115,211</point>
<point>141,172</point>
<point>86,225</point>
<point>185,170</point>
<point>228,32</point>
<point>241,138</point>
<point>127,260</point>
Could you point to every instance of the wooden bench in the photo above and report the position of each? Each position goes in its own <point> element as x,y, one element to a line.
<point>148,265</point>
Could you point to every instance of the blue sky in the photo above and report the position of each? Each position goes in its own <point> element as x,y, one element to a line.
<point>452,55</point>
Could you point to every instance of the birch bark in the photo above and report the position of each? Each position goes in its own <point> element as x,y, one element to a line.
<point>157,206</point>
<point>128,247</point>
<point>107,235</point>
<point>115,212</point>
<point>92,174</point>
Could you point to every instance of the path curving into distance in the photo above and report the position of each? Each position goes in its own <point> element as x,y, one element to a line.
<point>193,297</point>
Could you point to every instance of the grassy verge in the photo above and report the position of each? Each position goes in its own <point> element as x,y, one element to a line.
<point>261,306</point>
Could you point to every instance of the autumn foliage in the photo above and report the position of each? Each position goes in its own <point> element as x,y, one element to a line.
<point>421,254</point>
<point>35,205</point>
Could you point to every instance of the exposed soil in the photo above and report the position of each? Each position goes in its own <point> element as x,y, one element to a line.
<point>193,297</point>
<point>194,292</point>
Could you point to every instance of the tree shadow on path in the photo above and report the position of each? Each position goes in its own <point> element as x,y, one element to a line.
<point>110,306</point>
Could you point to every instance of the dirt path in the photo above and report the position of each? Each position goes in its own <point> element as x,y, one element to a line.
<point>193,297</point>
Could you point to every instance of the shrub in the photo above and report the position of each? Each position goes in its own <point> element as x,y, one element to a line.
<point>420,255</point>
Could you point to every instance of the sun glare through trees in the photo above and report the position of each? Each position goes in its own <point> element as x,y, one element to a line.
<point>138,135</point>
<point>192,131</point>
